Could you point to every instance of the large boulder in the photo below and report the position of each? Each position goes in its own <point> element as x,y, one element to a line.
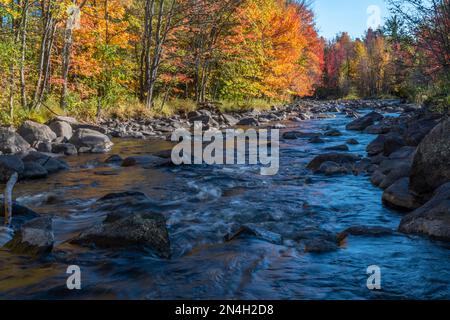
<point>11,142</point>
<point>35,238</point>
<point>399,197</point>
<point>34,132</point>
<point>62,129</point>
<point>362,123</point>
<point>339,158</point>
<point>87,140</point>
<point>132,220</point>
<point>431,165</point>
<point>433,218</point>
<point>8,165</point>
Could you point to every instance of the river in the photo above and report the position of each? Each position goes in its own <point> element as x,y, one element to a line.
<point>203,204</point>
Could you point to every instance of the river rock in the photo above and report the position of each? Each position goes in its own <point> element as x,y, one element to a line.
<point>377,177</point>
<point>399,197</point>
<point>250,121</point>
<point>377,129</point>
<point>385,144</point>
<point>115,158</point>
<point>8,165</point>
<point>319,246</point>
<point>352,141</point>
<point>316,140</point>
<point>291,135</point>
<point>253,231</point>
<point>431,164</point>
<point>51,164</point>
<point>229,119</point>
<point>402,170</point>
<point>67,148</point>
<point>35,238</point>
<point>433,218</point>
<point>132,220</point>
<point>87,140</point>
<point>362,123</point>
<point>44,146</point>
<point>12,142</point>
<point>340,158</point>
<point>332,133</point>
<point>62,129</point>
<point>35,132</point>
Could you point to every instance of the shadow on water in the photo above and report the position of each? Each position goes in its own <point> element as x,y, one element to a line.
<point>209,201</point>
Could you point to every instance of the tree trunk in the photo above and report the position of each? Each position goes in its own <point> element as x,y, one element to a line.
<point>23,31</point>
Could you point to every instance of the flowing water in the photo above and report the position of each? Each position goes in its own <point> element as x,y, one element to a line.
<point>206,202</point>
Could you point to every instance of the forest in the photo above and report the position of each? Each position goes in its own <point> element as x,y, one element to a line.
<point>97,58</point>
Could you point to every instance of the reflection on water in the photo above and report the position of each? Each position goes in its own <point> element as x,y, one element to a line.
<point>206,203</point>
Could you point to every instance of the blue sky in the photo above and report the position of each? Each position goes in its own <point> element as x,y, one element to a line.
<point>334,16</point>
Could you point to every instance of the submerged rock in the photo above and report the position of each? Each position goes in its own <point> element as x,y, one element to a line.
<point>253,231</point>
<point>35,238</point>
<point>364,231</point>
<point>115,158</point>
<point>319,246</point>
<point>292,135</point>
<point>433,218</point>
<point>33,170</point>
<point>341,147</point>
<point>431,165</point>
<point>316,140</point>
<point>352,141</point>
<point>333,133</point>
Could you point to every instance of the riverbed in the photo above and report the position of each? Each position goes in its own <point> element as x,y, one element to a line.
<point>202,204</point>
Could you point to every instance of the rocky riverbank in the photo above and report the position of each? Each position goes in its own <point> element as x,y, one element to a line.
<point>408,159</point>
